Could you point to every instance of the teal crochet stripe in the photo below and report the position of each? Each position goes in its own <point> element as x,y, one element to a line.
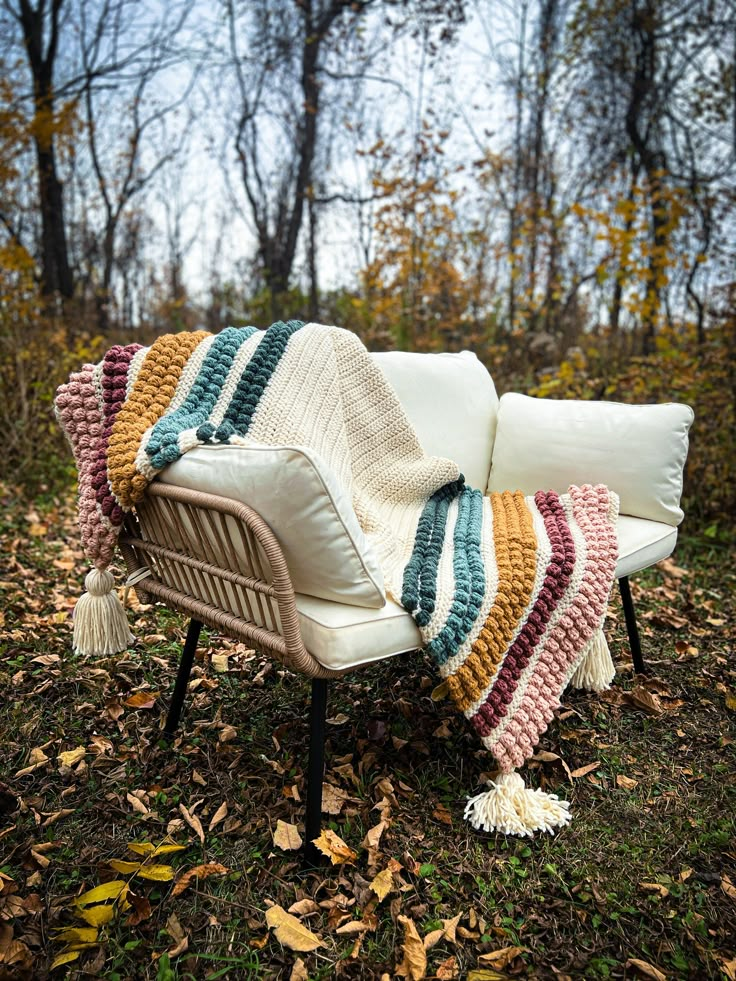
<point>252,384</point>
<point>162,447</point>
<point>419,586</point>
<point>470,578</point>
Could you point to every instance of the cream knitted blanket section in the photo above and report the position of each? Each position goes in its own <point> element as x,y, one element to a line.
<point>509,593</point>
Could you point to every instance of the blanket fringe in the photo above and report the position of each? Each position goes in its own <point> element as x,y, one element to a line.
<point>100,623</point>
<point>514,809</point>
<point>596,671</point>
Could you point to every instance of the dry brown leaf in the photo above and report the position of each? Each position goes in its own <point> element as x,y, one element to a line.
<point>36,758</point>
<point>176,932</point>
<point>137,804</point>
<point>499,959</point>
<point>626,783</point>
<point>219,663</point>
<point>655,887</point>
<point>333,799</point>
<point>193,821</point>
<point>199,872</point>
<point>414,964</point>
<point>432,938</point>
<point>584,770</point>
<point>646,970</point>
<point>373,836</point>
<point>142,699</point>
<point>728,888</point>
<point>728,968</point>
<point>646,701</point>
<point>450,926</point>
<point>334,847</point>
<point>141,909</point>
<point>448,969</point>
<point>299,971</point>
<point>382,884</point>
<point>304,907</point>
<point>287,836</point>
<point>353,926</point>
<point>219,815</point>
<point>290,932</point>
<point>442,814</point>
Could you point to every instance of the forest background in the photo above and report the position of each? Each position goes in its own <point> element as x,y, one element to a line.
<point>549,183</point>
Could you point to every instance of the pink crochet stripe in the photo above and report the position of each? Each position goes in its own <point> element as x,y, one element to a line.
<point>568,637</point>
<point>115,368</point>
<point>556,580</point>
<point>80,414</point>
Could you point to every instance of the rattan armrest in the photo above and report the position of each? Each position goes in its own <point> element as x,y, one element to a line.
<point>218,561</point>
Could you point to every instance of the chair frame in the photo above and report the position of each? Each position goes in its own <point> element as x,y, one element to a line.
<point>179,548</point>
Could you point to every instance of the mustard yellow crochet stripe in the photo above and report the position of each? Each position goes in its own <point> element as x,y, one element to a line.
<point>149,399</point>
<point>516,558</point>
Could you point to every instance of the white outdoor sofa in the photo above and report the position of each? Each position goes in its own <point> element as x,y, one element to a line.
<point>263,545</point>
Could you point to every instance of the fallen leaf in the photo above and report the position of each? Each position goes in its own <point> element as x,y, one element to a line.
<point>65,957</point>
<point>141,909</point>
<point>647,970</point>
<point>626,783</point>
<point>414,964</point>
<point>645,700</point>
<point>137,804</point>
<point>728,968</point>
<point>71,756</point>
<point>219,815</point>
<point>176,932</point>
<point>584,770</point>
<point>448,969</point>
<point>198,872</point>
<point>728,888</point>
<point>485,974</point>
<point>147,848</point>
<point>450,926</point>
<point>332,845</point>
<point>97,916</point>
<point>304,907</point>
<point>100,894</point>
<point>77,935</point>
<point>333,799</point>
<point>353,926</point>
<point>442,814</point>
<point>373,836</point>
<point>156,873</point>
<point>287,837</point>
<point>382,884</point>
<point>142,699</point>
<point>36,758</point>
<point>499,959</point>
<point>299,971</point>
<point>290,932</point>
<point>219,663</point>
<point>193,821</point>
<point>655,887</point>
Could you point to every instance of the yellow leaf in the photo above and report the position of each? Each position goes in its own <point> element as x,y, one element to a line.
<point>78,935</point>
<point>146,848</point>
<point>125,867</point>
<point>290,932</point>
<point>97,915</point>
<point>100,894</point>
<point>382,884</point>
<point>414,964</point>
<point>485,974</point>
<point>334,847</point>
<point>65,957</point>
<point>287,836</point>
<point>157,873</point>
<point>71,756</point>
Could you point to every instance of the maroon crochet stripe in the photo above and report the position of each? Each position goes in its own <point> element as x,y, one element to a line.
<point>556,580</point>
<point>115,367</point>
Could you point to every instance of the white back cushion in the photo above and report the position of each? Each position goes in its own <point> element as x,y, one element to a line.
<point>451,401</point>
<point>298,496</point>
<point>639,451</point>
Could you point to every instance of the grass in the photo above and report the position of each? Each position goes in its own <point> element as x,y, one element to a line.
<point>644,873</point>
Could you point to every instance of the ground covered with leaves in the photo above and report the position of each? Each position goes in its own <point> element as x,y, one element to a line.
<point>124,857</point>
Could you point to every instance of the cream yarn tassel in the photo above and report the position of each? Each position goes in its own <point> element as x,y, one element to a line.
<point>100,623</point>
<point>595,670</point>
<point>514,809</point>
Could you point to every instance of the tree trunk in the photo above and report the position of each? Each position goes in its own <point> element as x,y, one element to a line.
<point>56,275</point>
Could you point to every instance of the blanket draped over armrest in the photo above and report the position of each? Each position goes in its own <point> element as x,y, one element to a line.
<point>509,593</point>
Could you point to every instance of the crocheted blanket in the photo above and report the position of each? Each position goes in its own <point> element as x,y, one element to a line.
<point>509,593</point>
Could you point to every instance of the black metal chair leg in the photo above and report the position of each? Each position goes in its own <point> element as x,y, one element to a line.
<point>315,769</point>
<point>633,630</point>
<point>182,678</point>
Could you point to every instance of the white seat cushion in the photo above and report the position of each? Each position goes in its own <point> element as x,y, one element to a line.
<point>299,497</point>
<point>342,637</point>
<point>641,543</point>
<point>639,451</point>
<point>451,402</point>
